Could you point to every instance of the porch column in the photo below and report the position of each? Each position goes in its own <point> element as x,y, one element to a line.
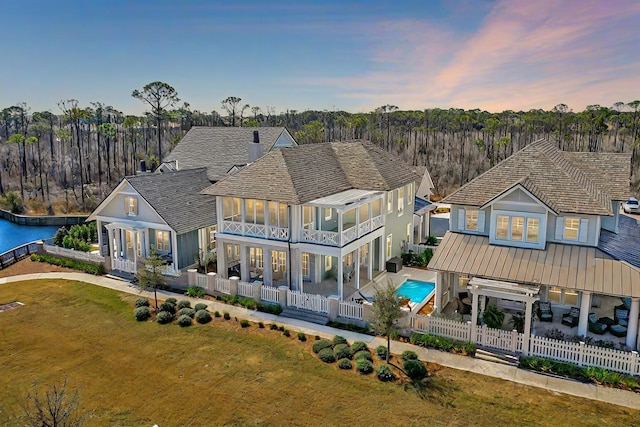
<point>585,306</point>
<point>632,331</point>
<point>135,247</point>
<point>474,314</point>
<point>110,242</point>
<point>267,270</point>
<point>437,304</point>
<point>99,228</point>
<point>222,259</point>
<point>244,262</point>
<point>356,270</point>
<point>119,243</point>
<point>483,302</point>
<point>340,274</point>
<point>528,315</point>
<point>174,250</point>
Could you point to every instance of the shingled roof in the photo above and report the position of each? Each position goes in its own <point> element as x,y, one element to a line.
<point>567,182</point>
<point>218,148</point>
<point>297,175</point>
<point>176,197</point>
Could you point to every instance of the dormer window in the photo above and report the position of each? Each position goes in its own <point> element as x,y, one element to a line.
<point>521,230</point>
<point>131,205</point>
<point>571,228</point>
<point>471,219</point>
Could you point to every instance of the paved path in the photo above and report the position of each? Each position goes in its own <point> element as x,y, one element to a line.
<point>478,366</point>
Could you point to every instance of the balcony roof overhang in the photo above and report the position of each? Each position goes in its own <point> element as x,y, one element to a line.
<point>344,199</point>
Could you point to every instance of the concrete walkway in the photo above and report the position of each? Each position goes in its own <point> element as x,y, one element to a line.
<point>465,363</point>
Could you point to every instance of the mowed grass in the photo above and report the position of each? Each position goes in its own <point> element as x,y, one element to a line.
<point>138,374</point>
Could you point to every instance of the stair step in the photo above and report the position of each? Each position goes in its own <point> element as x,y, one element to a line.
<point>305,315</point>
<point>506,359</point>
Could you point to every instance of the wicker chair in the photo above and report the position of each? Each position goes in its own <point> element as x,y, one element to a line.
<point>544,311</point>
<point>572,318</point>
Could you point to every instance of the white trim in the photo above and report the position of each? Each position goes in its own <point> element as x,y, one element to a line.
<point>132,224</point>
<point>542,227</point>
<point>505,193</point>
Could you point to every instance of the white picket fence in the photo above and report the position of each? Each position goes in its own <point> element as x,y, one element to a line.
<point>418,249</point>
<point>350,310</point>
<point>71,253</point>
<point>123,265</point>
<point>580,353</point>
<point>269,294</point>
<point>245,289</point>
<point>201,280</point>
<point>223,285</point>
<point>311,302</point>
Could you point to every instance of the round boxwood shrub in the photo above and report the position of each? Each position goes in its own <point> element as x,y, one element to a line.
<point>359,346</point>
<point>186,312</point>
<point>321,345</point>
<point>184,320</point>
<point>302,336</point>
<point>409,355</point>
<point>364,366</point>
<point>216,313</point>
<point>226,316</point>
<point>363,355</point>
<point>384,373</point>
<point>344,364</point>
<point>166,306</point>
<point>183,303</point>
<point>164,317</point>
<point>244,323</point>
<point>381,351</point>
<point>415,369</point>
<point>142,302</point>
<point>171,300</point>
<point>142,313</point>
<point>286,333</point>
<point>326,355</point>
<point>203,316</point>
<point>339,340</point>
<point>342,351</point>
<point>273,327</point>
<point>260,325</point>
<point>200,306</point>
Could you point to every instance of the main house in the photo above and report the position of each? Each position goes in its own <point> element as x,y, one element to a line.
<point>319,218</point>
<point>544,225</point>
<point>164,209</point>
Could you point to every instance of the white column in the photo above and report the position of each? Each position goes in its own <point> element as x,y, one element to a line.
<point>483,302</point>
<point>356,271</point>
<point>437,304</point>
<point>244,262</point>
<point>110,248</point>
<point>222,259</point>
<point>99,228</point>
<point>474,314</point>
<point>528,314</point>
<point>340,274</point>
<point>585,306</point>
<point>174,250</point>
<point>135,247</point>
<point>267,271</point>
<point>632,328</point>
<point>119,243</point>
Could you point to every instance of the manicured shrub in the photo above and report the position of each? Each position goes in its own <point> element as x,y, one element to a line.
<point>87,267</point>
<point>203,316</point>
<point>339,340</point>
<point>359,346</point>
<point>363,355</point>
<point>142,302</point>
<point>344,364</point>
<point>171,300</point>
<point>317,338</point>
<point>342,351</point>
<point>244,323</point>
<point>226,316</point>
<point>281,328</point>
<point>384,373</point>
<point>195,291</point>
<point>186,312</point>
<point>142,313</point>
<point>364,366</point>
<point>183,303</point>
<point>286,333</point>
<point>200,306</point>
<point>269,308</point>
<point>273,327</point>
<point>260,325</point>
<point>216,313</point>
<point>409,355</point>
<point>184,320</point>
<point>321,344</point>
<point>326,355</point>
<point>415,369</point>
<point>302,336</point>
<point>165,306</point>
<point>164,317</point>
<point>381,351</point>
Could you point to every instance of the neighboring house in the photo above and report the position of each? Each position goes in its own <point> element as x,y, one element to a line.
<point>543,224</point>
<point>423,207</point>
<point>164,211</point>
<point>318,218</point>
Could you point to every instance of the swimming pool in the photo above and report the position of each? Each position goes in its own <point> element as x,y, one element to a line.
<point>416,290</point>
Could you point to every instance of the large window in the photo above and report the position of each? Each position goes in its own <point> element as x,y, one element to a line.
<point>562,296</point>
<point>409,233</point>
<point>308,217</point>
<point>162,241</point>
<point>533,230</point>
<point>376,208</point>
<point>518,228</point>
<point>400,200</point>
<point>254,211</point>
<point>390,201</point>
<point>389,240</point>
<point>471,219</point>
<point>279,261</point>
<point>278,215</point>
<point>410,193</point>
<point>571,227</point>
<point>256,260</point>
<point>305,264</point>
<point>131,205</point>
<point>502,227</point>
<point>231,209</point>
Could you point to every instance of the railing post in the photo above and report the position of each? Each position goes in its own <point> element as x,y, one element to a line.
<point>256,292</point>
<point>367,311</point>
<point>192,276</point>
<point>282,296</point>
<point>233,285</point>
<point>514,340</point>
<point>635,368</point>
<point>581,354</point>
<point>211,282</point>
<point>469,334</point>
<point>334,307</point>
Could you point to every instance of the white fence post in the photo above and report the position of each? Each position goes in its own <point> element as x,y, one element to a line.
<point>233,285</point>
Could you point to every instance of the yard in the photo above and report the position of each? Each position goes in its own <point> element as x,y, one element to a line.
<point>219,374</point>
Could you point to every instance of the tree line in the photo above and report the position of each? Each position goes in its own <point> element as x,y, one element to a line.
<point>69,160</point>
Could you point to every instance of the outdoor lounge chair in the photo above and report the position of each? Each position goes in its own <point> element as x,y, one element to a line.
<point>544,312</point>
<point>618,330</point>
<point>463,307</point>
<point>571,318</point>
<point>621,315</point>
<point>595,326</point>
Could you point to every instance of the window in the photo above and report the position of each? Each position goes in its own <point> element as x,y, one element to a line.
<point>533,230</point>
<point>305,264</point>
<point>308,217</point>
<point>525,230</point>
<point>162,241</point>
<point>562,296</point>
<point>390,201</point>
<point>282,261</point>
<point>254,211</point>
<point>278,215</point>
<point>471,219</point>
<point>389,239</point>
<point>409,233</point>
<point>327,263</point>
<point>517,227</point>
<point>131,205</point>
<point>255,258</point>
<point>571,227</point>
<point>502,227</point>
<point>376,208</point>
<point>327,214</point>
<point>231,209</point>
<point>410,194</point>
<point>279,261</point>
<point>400,201</point>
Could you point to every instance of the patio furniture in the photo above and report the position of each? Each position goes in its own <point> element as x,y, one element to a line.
<point>595,326</point>
<point>571,318</point>
<point>621,315</point>
<point>463,307</point>
<point>607,321</point>
<point>618,330</point>
<point>544,312</point>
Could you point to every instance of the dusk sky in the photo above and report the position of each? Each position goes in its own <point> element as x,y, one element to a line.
<point>325,55</point>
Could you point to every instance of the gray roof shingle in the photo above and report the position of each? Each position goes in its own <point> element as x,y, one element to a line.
<point>567,182</point>
<point>297,175</point>
<point>219,148</point>
<point>176,197</point>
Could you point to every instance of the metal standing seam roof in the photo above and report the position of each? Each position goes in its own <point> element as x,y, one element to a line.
<point>574,267</point>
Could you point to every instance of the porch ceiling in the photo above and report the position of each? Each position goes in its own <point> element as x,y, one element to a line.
<point>567,266</point>
<point>343,198</point>
<point>133,226</point>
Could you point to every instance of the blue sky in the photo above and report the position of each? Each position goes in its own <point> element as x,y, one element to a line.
<point>347,55</point>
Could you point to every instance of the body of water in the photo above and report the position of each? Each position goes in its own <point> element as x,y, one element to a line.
<point>12,235</point>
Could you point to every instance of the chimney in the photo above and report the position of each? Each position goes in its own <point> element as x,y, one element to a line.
<point>143,166</point>
<point>255,148</point>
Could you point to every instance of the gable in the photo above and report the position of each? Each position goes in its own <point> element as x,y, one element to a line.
<point>113,206</point>
<point>284,140</point>
<point>518,199</point>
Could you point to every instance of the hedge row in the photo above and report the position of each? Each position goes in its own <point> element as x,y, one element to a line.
<point>441,343</point>
<point>87,267</point>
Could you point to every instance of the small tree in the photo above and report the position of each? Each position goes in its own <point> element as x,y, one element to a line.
<point>58,407</point>
<point>150,274</point>
<point>386,312</point>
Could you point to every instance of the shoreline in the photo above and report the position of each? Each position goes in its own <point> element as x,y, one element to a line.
<point>41,220</point>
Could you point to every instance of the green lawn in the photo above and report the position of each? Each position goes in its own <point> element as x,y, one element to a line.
<point>138,374</point>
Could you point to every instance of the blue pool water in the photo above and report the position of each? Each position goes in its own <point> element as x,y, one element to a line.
<point>416,290</point>
<point>12,235</point>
